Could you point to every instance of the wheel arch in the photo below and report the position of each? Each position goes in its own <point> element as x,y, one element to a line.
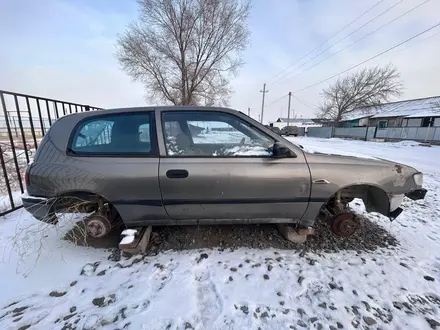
<point>373,196</point>
<point>88,197</point>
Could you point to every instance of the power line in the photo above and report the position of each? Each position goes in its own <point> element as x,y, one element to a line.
<point>365,36</point>
<point>334,35</point>
<point>362,26</point>
<point>276,101</point>
<point>312,107</point>
<point>405,48</point>
<point>416,43</point>
<point>371,58</point>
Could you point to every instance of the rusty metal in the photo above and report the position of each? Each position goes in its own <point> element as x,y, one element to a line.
<point>98,226</point>
<point>344,224</point>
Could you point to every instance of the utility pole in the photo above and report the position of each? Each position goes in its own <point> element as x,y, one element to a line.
<point>288,110</point>
<point>264,91</point>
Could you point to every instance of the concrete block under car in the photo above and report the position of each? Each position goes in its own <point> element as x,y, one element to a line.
<point>139,243</point>
<point>295,236</point>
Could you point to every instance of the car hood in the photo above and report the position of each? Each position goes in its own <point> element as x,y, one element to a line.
<point>318,157</point>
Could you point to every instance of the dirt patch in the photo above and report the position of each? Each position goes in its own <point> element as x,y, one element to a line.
<point>369,237</point>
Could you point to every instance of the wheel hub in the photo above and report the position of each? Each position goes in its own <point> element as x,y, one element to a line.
<point>344,224</point>
<point>98,226</point>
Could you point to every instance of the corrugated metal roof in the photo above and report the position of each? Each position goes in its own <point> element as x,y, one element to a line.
<point>427,113</point>
<point>425,107</point>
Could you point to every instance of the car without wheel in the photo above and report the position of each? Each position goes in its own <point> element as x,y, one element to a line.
<point>201,165</point>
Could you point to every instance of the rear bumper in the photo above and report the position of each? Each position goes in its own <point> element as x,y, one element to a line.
<point>417,194</point>
<point>41,208</point>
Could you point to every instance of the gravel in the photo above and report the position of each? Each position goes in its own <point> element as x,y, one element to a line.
<point>369,237</point>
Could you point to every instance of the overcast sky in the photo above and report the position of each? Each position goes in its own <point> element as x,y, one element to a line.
<point>64,49</point>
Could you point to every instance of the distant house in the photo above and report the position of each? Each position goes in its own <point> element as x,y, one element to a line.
<point>421,112</point>
<point>299,122</point>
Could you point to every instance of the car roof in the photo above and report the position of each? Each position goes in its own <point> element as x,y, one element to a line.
<point>171,108</point>
<point>80,115</point>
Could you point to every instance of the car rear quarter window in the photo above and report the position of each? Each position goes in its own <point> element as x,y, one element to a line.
<point>120,134</point>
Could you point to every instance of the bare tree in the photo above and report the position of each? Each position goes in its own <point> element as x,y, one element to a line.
<point>368,87</point>
<point>185,51</point>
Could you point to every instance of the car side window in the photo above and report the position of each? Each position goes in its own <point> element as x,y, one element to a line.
<point>212,133</point>
<point>119,134</point>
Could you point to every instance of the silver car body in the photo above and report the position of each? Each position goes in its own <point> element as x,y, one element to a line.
<point>210,190</point>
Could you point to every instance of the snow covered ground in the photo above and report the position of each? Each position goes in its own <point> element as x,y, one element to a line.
<point>63,286</point>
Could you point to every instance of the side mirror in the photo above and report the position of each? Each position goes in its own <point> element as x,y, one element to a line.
<point>281,151</point>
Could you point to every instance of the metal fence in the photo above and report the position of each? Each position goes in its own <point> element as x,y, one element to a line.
<point>24,120</point>
<point>410,133</point>
<point>322,132</point>
<point>431,134</point>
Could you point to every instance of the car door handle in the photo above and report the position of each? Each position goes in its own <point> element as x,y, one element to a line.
<point>177,174</point>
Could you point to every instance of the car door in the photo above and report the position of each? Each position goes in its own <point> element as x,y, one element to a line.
<point>217,166</point>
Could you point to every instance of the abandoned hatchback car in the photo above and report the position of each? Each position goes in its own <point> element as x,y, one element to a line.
<point>198,165</point>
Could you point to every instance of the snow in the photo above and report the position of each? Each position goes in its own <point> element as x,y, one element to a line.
<point>129,235</point>
<point>247,150</point>
<point>5,203</point>
<point>409,108</point>
<point>25,195</point>
<point>129,232</point>
<point>127,240</point>
<point>220,137</point>
<point>427,113</point>
<point>319,148</point>
<point>241,289</point>
<point>244,145</point>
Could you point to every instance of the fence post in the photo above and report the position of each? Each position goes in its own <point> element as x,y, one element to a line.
<point>56,109</point>
<point>23,138</point>
<point>40,117</point>
<point>427,132</point>
<point>11,141</point>
<point>28,105</point>
<point>48,113</point>
<point>15,126</point>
